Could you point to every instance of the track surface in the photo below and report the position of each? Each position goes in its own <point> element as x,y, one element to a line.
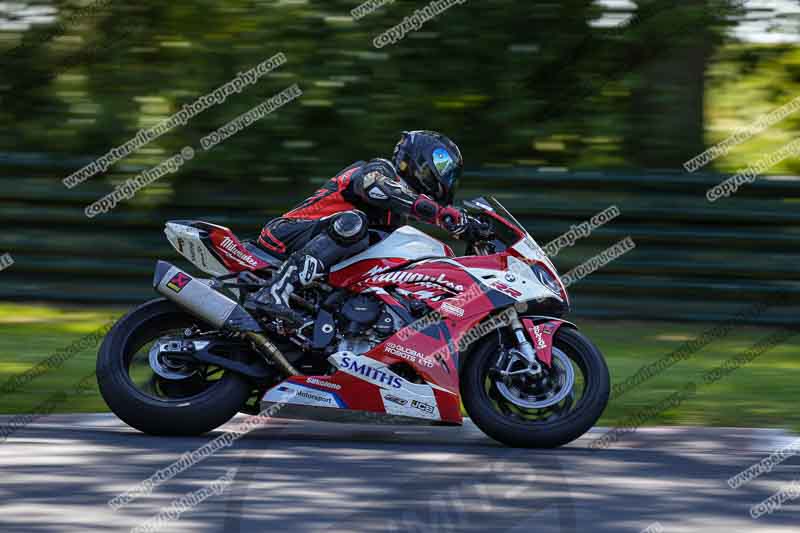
<point>59,473</point>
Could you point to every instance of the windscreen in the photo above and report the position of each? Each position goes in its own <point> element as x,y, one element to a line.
<point>504,233</point>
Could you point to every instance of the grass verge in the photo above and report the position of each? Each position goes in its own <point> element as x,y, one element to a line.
<point>760,394</point>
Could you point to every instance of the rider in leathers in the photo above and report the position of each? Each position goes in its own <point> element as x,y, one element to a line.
<point>419,184</point>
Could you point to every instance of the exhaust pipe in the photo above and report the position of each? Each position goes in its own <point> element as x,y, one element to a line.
<point>202,301</point>
<point>198,298</point>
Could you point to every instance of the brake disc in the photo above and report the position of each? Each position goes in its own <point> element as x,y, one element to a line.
<point>163,366</point>
<point>562,388</point>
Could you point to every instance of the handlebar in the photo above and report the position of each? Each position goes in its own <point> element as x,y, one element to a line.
<point>448,222</point>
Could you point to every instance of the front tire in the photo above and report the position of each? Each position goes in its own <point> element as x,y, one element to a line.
<point>196,412</point>
<point>517,427</point>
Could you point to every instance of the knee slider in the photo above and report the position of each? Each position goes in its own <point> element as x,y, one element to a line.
<point>348,227</point>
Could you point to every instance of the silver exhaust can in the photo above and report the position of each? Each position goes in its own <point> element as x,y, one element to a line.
<point>194,295</point>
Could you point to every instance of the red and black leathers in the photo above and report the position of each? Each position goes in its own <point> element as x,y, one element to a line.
<point>332,225</point>
<point>373,188</point>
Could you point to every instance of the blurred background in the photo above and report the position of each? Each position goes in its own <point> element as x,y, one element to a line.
<point>561,109</point>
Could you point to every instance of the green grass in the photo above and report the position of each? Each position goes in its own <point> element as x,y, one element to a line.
<point>761,394</point>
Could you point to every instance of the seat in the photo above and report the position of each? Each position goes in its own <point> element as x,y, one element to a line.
<point>262,254</point>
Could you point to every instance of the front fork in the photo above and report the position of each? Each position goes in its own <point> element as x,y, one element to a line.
<point>539,329</point>
<point>523,353</point>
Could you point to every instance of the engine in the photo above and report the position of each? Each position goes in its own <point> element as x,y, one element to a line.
<point>363,322</point>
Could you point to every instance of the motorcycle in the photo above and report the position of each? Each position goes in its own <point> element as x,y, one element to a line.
<point>402,332</point>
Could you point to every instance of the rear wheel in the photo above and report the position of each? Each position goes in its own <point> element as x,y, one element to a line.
<point>157,394</point>
<point>545,410</point>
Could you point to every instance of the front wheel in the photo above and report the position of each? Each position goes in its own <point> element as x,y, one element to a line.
<point>545,410</point>
<point>159,395</point>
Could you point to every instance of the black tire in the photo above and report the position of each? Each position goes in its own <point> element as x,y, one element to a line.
<point>195,415</point>
<point>551,434</point>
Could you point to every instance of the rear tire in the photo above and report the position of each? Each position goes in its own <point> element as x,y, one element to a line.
<point>194,415</point>
<point>538,434</point>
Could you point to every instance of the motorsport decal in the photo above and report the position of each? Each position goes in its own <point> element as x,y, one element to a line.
<point>303,395</point>
<point>178,282</point>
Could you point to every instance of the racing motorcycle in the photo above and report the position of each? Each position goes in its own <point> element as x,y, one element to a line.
<point>402,332</point>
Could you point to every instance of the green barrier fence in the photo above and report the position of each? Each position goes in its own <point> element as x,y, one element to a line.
<point>693,260</point>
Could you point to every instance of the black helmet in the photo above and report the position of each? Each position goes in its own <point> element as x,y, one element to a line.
<point>430,163</point>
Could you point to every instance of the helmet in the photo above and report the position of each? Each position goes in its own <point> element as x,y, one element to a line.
<point>430,163</point>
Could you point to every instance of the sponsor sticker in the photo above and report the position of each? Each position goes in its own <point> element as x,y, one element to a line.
<point>178,282</point>
<point>322,383</point>
<point>408,354</point>
<point>395,399</point>
<point>540,342</point>
<point>232,251</point>
<point>307,396</point>
<point>360,367</point>
<point>451,309</point>
<point>422,406</point>
<point>505,289</point>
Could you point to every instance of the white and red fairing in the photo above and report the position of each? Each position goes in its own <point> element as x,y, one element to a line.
<point>215,249</point>
<point>464,291</point>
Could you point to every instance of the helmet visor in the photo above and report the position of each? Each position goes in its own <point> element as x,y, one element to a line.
<point>448,173</point>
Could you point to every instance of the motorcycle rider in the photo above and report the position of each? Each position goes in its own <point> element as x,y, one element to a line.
<point>331,225</point>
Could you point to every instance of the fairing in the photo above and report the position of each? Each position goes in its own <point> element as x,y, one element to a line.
<point>464,297</point>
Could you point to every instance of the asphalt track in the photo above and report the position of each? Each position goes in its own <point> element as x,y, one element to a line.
<point>59,473</point>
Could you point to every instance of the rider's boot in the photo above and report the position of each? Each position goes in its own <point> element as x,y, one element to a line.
<point>300,269</point>
<point>345,235</point>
